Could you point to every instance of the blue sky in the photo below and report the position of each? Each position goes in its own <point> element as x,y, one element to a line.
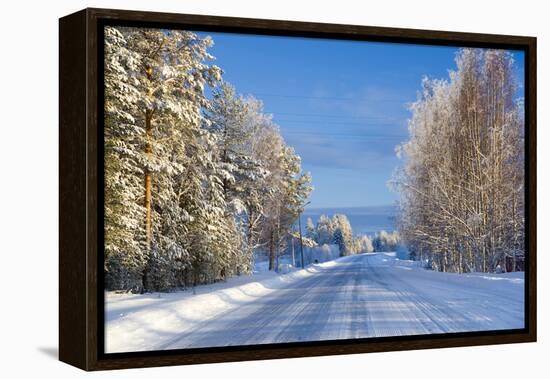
<point>342,105</point>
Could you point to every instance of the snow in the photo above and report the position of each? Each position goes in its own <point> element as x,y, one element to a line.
<point>368,295</point>
<point>136,322</point>
<point>316,254</point>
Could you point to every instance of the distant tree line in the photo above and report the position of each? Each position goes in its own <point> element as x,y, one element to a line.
<point>462,180</point>
<point>338,231</point>
<point>193,183</point>
<point>386,241</point>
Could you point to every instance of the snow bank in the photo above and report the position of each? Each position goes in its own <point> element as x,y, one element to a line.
<point>317,254</point>
<point>497,298</point>
<point>323,253</point>
<point>390,259</point>
<point>133,321</point>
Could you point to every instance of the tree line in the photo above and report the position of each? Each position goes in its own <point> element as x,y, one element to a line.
<point>462,181</point>
<point>196,176</point>
<point>337,230</point>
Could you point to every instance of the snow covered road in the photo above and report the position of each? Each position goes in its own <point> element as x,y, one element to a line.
<point>370,295</point>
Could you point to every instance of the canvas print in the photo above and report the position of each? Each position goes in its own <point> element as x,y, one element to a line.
<point>272,189</point>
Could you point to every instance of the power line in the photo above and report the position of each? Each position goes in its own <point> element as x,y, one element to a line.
<point>328,98</point>
<point>316,122</point>
<point>325,115</point>
<point>353,135</point>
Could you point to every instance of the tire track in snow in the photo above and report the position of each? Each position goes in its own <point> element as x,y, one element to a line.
<point>352,299</point>
<point>257,322</point>
<point>441,315</point>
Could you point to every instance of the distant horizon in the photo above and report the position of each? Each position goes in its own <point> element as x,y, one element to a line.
<point>352,207</point>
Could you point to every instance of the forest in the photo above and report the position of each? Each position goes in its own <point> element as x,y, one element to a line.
<point>462,180</point>
<point>198,178</point>
<point>196,175</point>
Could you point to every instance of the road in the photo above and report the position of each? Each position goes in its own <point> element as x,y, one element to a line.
<point>364,296</point>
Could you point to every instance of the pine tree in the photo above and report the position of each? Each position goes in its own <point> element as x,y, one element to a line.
<point>124,255</point>
<point>192,185</point>
<point>236,121</point>
<point>324,230</point>
<point>170,80</point>
<point>310,229</point>
<point>342,234</point>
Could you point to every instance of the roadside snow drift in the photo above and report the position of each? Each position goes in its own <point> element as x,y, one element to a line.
<point>369,295</point>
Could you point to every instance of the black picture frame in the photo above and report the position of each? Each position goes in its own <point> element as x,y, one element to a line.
<point>81,188</point>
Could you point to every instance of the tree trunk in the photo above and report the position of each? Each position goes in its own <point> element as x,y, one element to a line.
<point>271,252</point>
<point>148,197</point>
<point>144,280</point>
<point>250,236</point>
<point>148,183</point>
<point>292,247</point>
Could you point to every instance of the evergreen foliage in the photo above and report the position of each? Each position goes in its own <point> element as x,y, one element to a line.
<point>193,184</point>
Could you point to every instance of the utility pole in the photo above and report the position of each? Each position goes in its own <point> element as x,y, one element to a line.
<point>301,240</point>
<point>300,230</point>
<point>292,245</point>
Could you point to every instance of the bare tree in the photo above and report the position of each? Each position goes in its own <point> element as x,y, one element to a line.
<point>461,183</point>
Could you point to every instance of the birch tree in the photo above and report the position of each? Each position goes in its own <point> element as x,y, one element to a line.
<point>461,183</point>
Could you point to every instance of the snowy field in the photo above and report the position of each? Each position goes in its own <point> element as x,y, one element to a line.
<point>368,295</point>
